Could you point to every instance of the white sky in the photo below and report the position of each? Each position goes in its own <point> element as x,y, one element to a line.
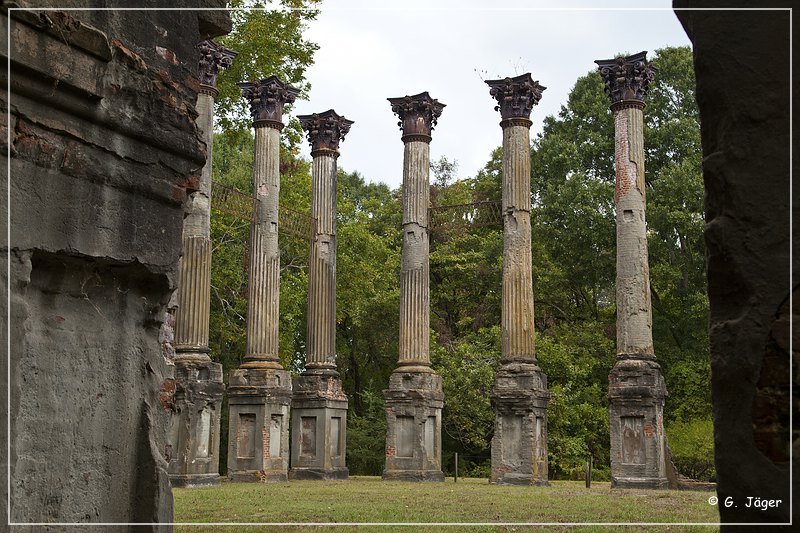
<point>373,50</point>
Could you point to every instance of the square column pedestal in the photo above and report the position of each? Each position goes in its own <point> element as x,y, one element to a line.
<point>319,428</point>
<point>258,435</point>
<point>519,445</point>
<point>414,402</point>
<point>194,428</point>
<point>636,393</point>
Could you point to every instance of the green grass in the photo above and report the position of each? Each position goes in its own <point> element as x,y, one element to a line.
<point>368,499</point>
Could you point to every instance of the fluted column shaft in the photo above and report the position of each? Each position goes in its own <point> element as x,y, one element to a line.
<point>627,80</point>
<point>418,116</point>
<point>194,276</point>
<point>414,276</point>
<point>636,388</point>
<point>515,99</point>
<point>517,299</point>
<point>519,396</point>
<point>634,311</point>
<point>263,288</point>
<point>322,266</point>
<point>260,390</point>
<point>194,431</point>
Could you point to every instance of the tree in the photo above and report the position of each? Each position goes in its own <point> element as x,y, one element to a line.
<point>269,40</point>
<point>367,299</point>
<point>573,211</point>
<point>367,287</point>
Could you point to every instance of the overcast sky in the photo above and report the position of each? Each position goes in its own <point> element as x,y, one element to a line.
<point>372,50</point>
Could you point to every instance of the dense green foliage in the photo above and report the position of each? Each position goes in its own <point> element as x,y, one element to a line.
<point>574,268</point>
<point>692,447</point>
<point>269,40</point>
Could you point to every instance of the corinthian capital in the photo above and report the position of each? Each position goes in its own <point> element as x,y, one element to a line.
<point>418,115</point>
<point>267,98</point>
<point>325,130</point>
<point>627,78</point>
<point>213,58</point>
<point>516,96</point>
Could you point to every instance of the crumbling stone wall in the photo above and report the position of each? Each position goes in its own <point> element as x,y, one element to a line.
<point>104,148</point>
<point>742,68</point>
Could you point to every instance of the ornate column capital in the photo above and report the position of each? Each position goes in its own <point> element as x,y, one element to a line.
<point>627,79</point>
<point>325,130</point>
<point>516,98</point>
<point>267,98</point>
<point>213,58</point>
<point>418,115</point>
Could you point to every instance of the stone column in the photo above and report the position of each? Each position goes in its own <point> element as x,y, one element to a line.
<point>519,395</point>
<point>636,389</point>
<point>260,391</point>
<point>414,398</point>
<point>194,429</point>
<point>319,406</point>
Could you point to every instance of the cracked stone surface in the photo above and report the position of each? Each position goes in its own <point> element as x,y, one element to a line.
<point>519,396</point>
<point>105,149</point>
<point>260,391</point>
<point>319,405</point>
<point>743,91</point>
<point>195,426</point>
<point>636,389</point>
<point>414,399</point>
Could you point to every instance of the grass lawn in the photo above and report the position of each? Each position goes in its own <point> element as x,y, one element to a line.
<point>368,499</point>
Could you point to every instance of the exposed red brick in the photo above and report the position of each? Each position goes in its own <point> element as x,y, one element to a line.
<point>265,443</point>
<point>134,59</point>
<point>166,395</point>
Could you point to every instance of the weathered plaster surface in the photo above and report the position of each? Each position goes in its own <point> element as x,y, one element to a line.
<point>105,148</point>
<point>743,90</point>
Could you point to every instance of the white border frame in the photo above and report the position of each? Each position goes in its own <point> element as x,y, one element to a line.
<point>101,524</point>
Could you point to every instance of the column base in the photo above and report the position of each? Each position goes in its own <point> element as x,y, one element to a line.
<point>331,474</point>
<point>636,394</point>
<point>412,475</point>
<point>319,427</point>
<point>639,483</point>
<point>519,446</point>
<point>194,427</point>
<point>258,432</point>
<point>499,477</point>
<point>414,402</point>
<point>193,480</point>
<point>258,476</point>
